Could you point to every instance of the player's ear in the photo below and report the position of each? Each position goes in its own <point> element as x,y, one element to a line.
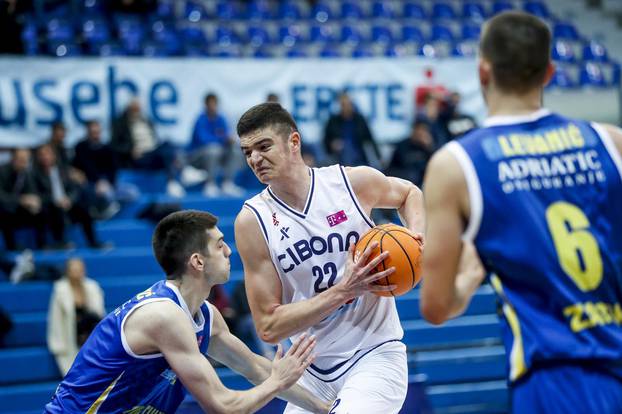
<point>550,71</point>
<point>294,141</point>
<point>485,74</point>
<point>196,261</point>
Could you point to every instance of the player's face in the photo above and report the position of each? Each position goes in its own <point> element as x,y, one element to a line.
<point>217,264</point>
<point>266,153</point>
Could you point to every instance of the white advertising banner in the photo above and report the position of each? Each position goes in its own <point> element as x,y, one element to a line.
<point>34,92</point>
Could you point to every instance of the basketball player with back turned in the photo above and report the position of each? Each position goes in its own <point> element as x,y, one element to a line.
<point>540,197</point>
<point>296,240</point>
<point>145,354</point>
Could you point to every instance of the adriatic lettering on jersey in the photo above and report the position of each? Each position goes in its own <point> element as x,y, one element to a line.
<point>557,158</point>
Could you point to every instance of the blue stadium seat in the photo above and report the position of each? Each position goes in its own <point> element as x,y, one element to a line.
<point>290,34</point>
<point>395,51</point>
<point>109,49</point>
<point>257,35</point>
<point>500,6</point>
<point>382,9</point>
<point>225,10</point>
<point>259,10</point>
<point>166,36</point>
<point>563,51</point>
<point>321,33</point>
<point>412,34</point>
<point>351,10</point>
<point>296,53</point>
<point>412,10</point>
<point>473,10</point>
<point>30,38</point>
<point>350,34</point>
<point>470,31</point>
<point>329,51</point>
<point>131,34</point>
<point>60,30</point>
<point>362,51</point>
<point>165,10</point>
<point>562,79</point>
<point>156,50</point>
<point>427,50</point>
<point>381,34</point>
<point>440,32</point>
<point>537,8</point>
<point>592,75</point>
<point>64,49</point>
<point>289,10</point>
<point>464,49</point>
<point>566,31</point>
<point>193,36</point>
<point>93,8</point>
<point>321,11</point>
<point>443,11</point>
<point>261,53</point>
<point>95,31</point>
<point>595,51</point>
<point>224,36</point>
<point>615,74</point>
<point>194,11</point>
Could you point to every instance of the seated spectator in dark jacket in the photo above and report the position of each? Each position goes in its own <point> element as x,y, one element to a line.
<point>20,205</point>
<point>63,154</point>
<point>453,121</point>
<point>97,161</point>
<point>62,198</point>
<point>347,138</point>
<point>412,154</point>
<point>135,142</point>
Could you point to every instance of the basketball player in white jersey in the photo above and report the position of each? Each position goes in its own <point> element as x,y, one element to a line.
<point>296,240</point>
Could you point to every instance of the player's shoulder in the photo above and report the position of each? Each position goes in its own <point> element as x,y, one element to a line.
<point>158,314</point>
<point>444,164</point>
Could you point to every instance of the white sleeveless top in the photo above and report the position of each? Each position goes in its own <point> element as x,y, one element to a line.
<point>309,250</point>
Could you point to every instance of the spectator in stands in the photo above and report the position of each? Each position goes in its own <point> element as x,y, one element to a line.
<point>412,154</point>
<point>347,137</point>
<point>97,161</point>
<point>76,306</point>
<point>136,145</point>
<point>272,97</point>
<point>20,204</point>
<point>62,199</point>
<point>212,146</point>
<point>63,156</point>
<point>10,26</point>
<point>431,112</point>
<point>454,122</point>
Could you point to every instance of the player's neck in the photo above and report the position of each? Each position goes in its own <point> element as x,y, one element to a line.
<point>500,104</point>
<point>193,295</point>
<point>293,189</point>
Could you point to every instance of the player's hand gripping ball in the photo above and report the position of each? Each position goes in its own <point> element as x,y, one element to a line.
<point>405,256</point>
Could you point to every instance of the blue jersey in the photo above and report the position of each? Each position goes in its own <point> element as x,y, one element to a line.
<point>546,219</point>
<point>107,377</point>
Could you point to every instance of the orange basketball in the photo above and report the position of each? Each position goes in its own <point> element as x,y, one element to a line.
<point>405,256</point>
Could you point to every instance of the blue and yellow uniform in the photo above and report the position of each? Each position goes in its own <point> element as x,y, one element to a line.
<point>107,377</point>
<point>546,219</point>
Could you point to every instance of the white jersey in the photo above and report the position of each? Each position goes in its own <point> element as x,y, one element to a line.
<point>309,251</point>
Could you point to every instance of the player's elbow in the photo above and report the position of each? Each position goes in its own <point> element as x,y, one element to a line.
<point>433,311</point>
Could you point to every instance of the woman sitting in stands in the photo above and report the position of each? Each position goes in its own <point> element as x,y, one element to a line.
<point>76,306</point>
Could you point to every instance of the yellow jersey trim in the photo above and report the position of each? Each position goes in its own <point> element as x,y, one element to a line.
<point>518,367</point>
<point>95,407</point>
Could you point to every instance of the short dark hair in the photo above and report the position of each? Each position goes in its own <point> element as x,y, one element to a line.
<point>518,46</point>
<point>179,235</point>
<point>265,115</point>
<point>209,97</point>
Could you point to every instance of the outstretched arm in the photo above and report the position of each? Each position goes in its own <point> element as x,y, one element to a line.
<point>164,327</point>
<point>451,272</point>
<point>276,321</point>
<point>229,350</point>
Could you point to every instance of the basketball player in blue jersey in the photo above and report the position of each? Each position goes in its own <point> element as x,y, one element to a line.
<point>539,196</point>
<point>296,241</point>
<point>144,356</point>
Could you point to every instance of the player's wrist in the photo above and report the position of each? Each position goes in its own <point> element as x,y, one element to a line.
<point>341,293</point>
<point>275,384</point>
